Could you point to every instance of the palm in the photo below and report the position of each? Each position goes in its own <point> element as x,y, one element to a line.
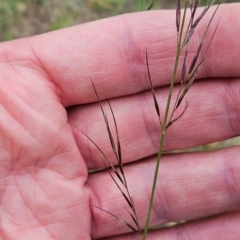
<point>42,172</point>
<point>46,192</point>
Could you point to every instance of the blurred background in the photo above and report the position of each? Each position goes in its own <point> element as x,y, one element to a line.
<point>23,18</point>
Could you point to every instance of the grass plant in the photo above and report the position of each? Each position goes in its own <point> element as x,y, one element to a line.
<point>187,78</point>
<point>147,5</point>
<point>185,30</point>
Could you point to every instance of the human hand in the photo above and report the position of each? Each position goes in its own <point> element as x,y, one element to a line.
<point>46,192</point>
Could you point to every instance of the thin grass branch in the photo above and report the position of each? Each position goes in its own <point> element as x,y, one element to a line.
<point>116,148</point>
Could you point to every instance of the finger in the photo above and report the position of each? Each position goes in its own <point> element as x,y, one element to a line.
<point>189,186</point>
<point>220,227</point>
<point>212,115</point>
<point>112,52</point>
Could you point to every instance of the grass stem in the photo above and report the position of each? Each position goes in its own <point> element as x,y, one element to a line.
<point>165,123</point>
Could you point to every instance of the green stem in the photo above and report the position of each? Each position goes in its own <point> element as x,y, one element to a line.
<point>165,122</point>
<point>161,146</point>
<point>143,4</point>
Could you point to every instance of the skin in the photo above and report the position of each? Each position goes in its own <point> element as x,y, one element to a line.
<point>47,100</point>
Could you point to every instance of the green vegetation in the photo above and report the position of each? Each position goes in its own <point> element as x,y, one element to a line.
<point>115,6</point>
<point>22,18</point>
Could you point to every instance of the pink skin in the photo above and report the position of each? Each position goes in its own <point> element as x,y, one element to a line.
<point>46,192</point>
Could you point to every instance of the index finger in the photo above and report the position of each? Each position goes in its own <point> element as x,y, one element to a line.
<point>112,51</point>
